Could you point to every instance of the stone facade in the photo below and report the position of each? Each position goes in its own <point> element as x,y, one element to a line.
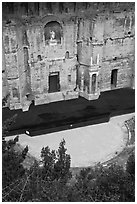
<point>58,51</point>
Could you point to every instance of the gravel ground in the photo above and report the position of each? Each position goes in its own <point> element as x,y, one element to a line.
<point>86,145</point>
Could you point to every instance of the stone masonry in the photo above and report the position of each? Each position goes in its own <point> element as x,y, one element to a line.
<point>57,51</point>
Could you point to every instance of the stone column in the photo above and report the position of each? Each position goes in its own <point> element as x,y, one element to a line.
<point>98,59</point>
<point>82,81</point>
<point>27,69</point>
<point>90,82</point>
<point>91,63</point>
<point>5,88</point>
<point>96,82</point>
<point>130,25</point>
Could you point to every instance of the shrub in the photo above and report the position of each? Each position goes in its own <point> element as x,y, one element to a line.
<point>130,167</point>
<point>47,183</point>
<point>103,184</point>
<point>12,167</point>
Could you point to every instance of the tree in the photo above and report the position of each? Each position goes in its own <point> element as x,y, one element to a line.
<point>56,164</point>
<point>103,184</point>
<point>62,165</point>
<point>130,167</point>
<point>48,182</point>
<point>48,160</point>
<point>12,167</point>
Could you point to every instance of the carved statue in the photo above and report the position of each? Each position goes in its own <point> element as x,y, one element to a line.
<point>52,35</point>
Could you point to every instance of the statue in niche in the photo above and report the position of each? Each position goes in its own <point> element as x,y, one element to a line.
<point>53,41</point>
<point>52,35</point>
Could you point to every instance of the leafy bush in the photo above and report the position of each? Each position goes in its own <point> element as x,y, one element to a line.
<point>56,164</point>
<point>130,167</point>
<point>103,184</point>
<point>12,167</point>
<point>47,182</point>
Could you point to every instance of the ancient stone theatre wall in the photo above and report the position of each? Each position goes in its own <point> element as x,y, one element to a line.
<point>57,51</point>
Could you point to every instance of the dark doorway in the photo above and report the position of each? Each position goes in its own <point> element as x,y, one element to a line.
<point>114,78</point>
<point>67,55</point>
<point>93,83</point>
<point>54,82</point>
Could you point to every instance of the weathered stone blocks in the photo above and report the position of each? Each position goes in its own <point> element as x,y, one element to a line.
<point>82,53</point>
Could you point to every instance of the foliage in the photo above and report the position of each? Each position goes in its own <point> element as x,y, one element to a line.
<point>7,124</point>
<point>49,180</point>
<point>12,167</point>
<point>130,167</point>
<point>40,183</point>
<point>62,165</point>
<point>103,184</point>
<point>99,184</point>
<point>5,100</point>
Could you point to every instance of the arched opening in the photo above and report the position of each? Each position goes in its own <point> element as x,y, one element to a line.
<point>93,83</point>
<point>67,55</point>
<point>39,57</point>
<point>26,56</point>
<point>114,78</point>
<point>15,92</point>
<point>53,33</point>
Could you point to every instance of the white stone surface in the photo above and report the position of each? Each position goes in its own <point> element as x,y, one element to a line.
<point>86,145</point>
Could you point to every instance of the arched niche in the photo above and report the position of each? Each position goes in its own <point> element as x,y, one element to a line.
<point>53,33</point>
<point>67,55</point>
<point>94,78</point>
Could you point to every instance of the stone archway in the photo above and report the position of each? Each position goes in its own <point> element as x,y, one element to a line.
<point>53,33</point>
<point>94,78</point>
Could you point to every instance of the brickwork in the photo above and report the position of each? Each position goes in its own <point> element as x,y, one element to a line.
<point>85,43</point>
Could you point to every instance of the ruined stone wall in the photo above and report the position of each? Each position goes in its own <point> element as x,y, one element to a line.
<point>30,61</point>
<point>11,64</point>
<point>53,59</point>
<point>118,50</point>
<point>112,37</point>
<point>95,38</point>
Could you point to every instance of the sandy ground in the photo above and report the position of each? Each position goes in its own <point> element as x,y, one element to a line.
<point>86,145</point>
